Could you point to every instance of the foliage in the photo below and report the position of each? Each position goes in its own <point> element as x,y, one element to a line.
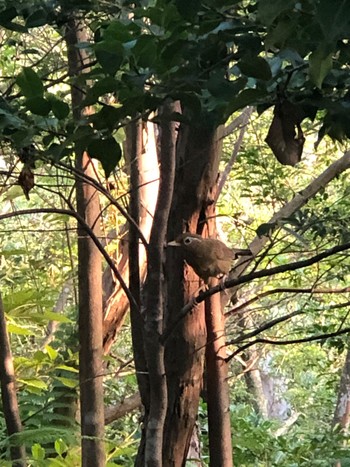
<point>256,444</point>
<point>214,58</point>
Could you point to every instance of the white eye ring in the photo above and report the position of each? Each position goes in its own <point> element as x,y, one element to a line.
<point>187,240</point>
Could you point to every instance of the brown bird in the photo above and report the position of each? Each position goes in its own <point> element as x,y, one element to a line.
<point>26,180</point>
<point>208,257</point>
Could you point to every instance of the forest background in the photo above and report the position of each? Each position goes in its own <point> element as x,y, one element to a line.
<point>123,125</point>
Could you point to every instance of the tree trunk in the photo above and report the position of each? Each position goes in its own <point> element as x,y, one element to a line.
<point>136,270</point>
<point>218,399</point>
<point>117,304</point>
<point>9,395</point>
<point>342,410</point>
<point>197,167</point>
<point>89,281</point>
<point>155,294</point>
<point>255,387</point>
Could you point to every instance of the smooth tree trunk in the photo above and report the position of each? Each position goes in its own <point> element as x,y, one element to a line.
<point>89,279</point>
<point>155,294</point>
<point>9,394</point>
<point>135,271</point>
<point>218,398</point>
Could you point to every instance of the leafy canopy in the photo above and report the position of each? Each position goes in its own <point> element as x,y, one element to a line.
<point>215,57</point>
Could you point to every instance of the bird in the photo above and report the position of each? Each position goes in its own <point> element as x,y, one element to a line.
<point>208,257</point>
<point>26,180</point>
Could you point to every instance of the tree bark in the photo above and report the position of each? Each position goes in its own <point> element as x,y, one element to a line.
<point>129,404</point>
<point>9,395</point>
<point>89,280</point>
<point>155,293</point>
<point>136,272</point>
<point>254,386</point>
<point>117,304</point>
<point>342,410</point>
<point>197,168</point>
<point>218,399</point>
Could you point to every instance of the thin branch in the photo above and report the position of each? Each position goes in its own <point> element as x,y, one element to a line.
<point>245,116</point>
<point>288,342</point>
<point>265,326</point>
<point>236,123</point>
<point>293,290</point>
<point>252,276</point>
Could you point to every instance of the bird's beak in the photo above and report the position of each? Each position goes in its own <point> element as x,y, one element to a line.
<point>174,243</point>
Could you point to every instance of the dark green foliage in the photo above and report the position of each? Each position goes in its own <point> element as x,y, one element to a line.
<point>214,57</point>
<point>107,151</point>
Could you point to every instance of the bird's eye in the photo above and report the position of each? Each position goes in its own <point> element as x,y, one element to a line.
<point>187,240</point>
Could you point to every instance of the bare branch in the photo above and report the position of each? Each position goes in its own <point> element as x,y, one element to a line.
<point>129,404</point>
<point>252,276</point>
<point>244,119</point>
<point>318,337</point>
<point>291,290</point>
<point>264,327</point>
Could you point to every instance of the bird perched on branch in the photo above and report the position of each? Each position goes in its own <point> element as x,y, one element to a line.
<point>208,257</point>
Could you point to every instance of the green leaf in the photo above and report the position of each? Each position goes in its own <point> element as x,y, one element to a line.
<point>52,316</point>
<point>320,64</point>
<point>38,106</point>
<point>145,51</point>
<point>107,151</point>
<point>255,67</point>
<point>33,383</point>
<point>19,299</point>
<point>334,18</point>
<point>59,108</point>
<point>116,30</point>
<point>103,86</point>
<point>30,83</point>
<point>20,330</point>
<point>8,252</point>
<point>13,193</point>
<point>188,8</point>
<point>8,120</point>
<point>38,452</point>
<point>110,55</point>
<point>57,151</point>
<point>37,18</point>
<point>23,137</point>
<point>60,447</point>
<point>246,97</point>
<point>269,10</point>
<point>6,17</point>
<point>279,34</point>
<point>107,117</point>
<point>67,368</point>
<point>222,88</point>
<point>52,353</point>
<point>69,382</point>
